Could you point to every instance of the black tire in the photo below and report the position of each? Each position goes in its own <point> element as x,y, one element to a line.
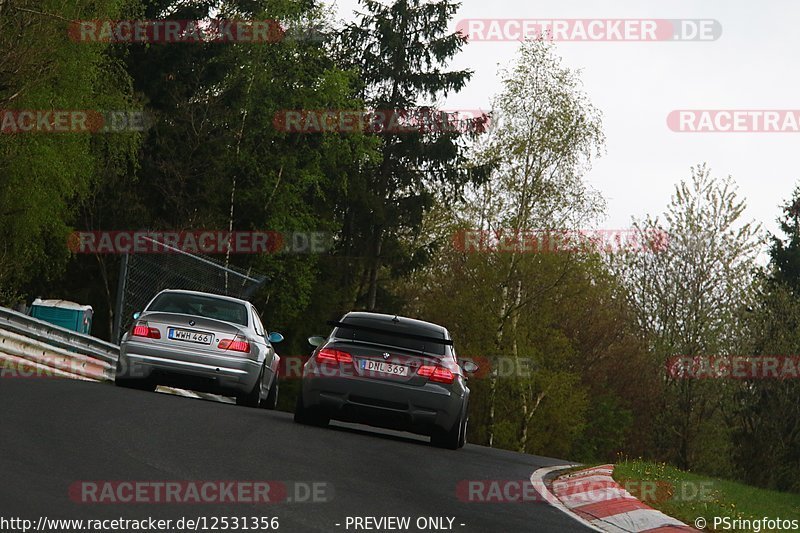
<point>463,438</point>
<point>308,417</point>
<point>271,401</point>
<point>252,398</point>
<point>450,439</point>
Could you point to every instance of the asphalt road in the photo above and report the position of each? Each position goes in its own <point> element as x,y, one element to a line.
<point>55,434</point>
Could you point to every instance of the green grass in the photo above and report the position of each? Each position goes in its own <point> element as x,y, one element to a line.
<point>686,496</point>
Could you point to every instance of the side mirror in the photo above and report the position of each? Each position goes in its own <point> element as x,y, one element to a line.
<point>316,341</point>
<point>136,315</point>
<point>469,367</point>
<point>275,337</point>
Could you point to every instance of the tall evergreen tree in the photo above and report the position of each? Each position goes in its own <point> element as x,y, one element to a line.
<point>401,51</point>
<point>785,252</point>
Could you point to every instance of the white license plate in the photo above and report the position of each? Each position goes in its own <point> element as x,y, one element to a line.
<point>384,368</point>
<point>190,336</point>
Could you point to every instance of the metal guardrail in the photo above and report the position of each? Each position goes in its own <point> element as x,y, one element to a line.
<point>44,348</point>
<point>57,336</point>
<point>35,347</point>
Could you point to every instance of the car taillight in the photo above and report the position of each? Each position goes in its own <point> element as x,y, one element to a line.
<point>438,374</point>
<point>236,344</point>
<point>327,355</point>
<point>141,329</point>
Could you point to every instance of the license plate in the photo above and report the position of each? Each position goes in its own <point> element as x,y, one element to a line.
<point>384,368</point>
<point>190,336</point>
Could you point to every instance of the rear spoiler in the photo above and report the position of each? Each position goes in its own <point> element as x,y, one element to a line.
<point>338,324</point>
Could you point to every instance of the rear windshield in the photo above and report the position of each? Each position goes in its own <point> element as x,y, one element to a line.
<point>198,305</point>
<point>388,339</point>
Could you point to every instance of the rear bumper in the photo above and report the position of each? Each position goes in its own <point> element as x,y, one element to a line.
<point>232,375</point>
<point>386,404</point>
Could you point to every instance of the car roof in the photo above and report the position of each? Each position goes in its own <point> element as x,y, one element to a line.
<point>394,322</point>
<point>209,294</point>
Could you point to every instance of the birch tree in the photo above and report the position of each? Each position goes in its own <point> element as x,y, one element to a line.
<point>545,133</point>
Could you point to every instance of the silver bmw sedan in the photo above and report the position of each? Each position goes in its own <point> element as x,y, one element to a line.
<point>202,342</point>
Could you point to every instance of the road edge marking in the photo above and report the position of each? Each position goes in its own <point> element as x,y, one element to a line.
<point>633,516</point>
<point>537,479</point>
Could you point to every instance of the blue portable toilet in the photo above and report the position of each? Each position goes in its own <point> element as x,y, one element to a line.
<point>69,315</point>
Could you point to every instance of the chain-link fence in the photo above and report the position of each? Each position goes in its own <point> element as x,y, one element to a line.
<point>143,275</point>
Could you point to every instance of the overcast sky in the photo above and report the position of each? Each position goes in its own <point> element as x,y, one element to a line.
<point>636,84</point>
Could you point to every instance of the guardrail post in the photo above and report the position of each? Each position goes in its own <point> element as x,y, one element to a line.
<point>116,335</point>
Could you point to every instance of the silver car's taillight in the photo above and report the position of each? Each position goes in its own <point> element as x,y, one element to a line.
<point>141,329</point>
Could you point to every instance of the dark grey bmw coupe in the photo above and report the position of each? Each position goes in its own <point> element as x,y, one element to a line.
<point>387,371</point>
